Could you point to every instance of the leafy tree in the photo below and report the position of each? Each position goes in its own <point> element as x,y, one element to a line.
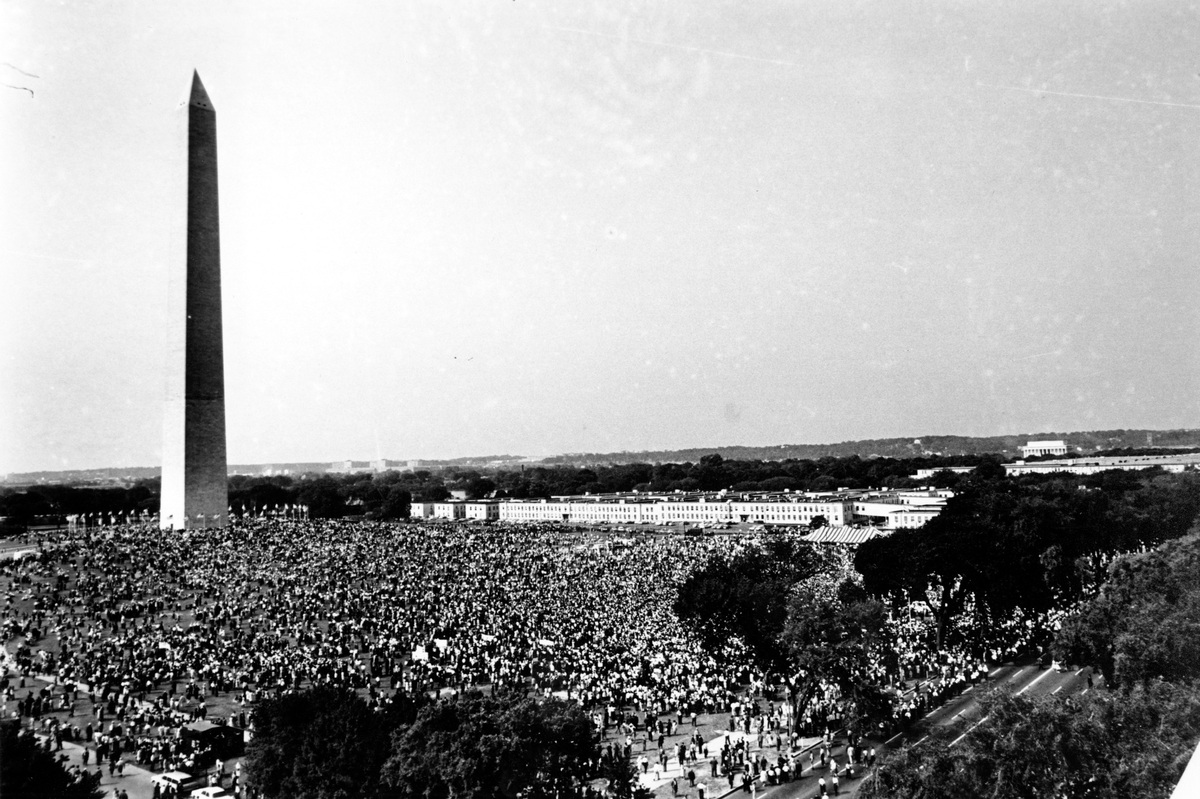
<point>323,498</point>
<point>834,637</point>
<point>479,747</point>
<point>28,771</point>
<point>398,504</point>
<point>324,743</point>
<point>988,469</point>
<point>480,487</point>
<point>1002,545</point>
<point>622,777</point>
<point>1141,631</point>
<point>1099,745</point>
<point>435,493</point>
<point>818,522</point>
<point>781,483</point>
<point>745,596</point>
<point>1144,623</point>
<point>21,507</point>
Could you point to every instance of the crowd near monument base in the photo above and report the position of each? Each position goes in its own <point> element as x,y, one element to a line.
<point>148,649</point>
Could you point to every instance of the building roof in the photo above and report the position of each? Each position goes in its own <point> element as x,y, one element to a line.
<point>1112,462</point>
<point>842,535</point>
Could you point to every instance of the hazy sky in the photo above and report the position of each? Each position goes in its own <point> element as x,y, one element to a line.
<point>534,228</point>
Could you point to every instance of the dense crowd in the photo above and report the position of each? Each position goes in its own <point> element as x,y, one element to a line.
<point>147,626</point>
<point>153,622</point>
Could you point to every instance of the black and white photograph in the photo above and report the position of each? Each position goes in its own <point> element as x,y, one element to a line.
<point>607,399</point>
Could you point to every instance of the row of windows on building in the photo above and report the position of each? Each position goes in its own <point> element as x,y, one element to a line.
<point>888,515</point>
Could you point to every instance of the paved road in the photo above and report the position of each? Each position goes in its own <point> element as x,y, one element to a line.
<point>955,718</point>
<point>136,782</point>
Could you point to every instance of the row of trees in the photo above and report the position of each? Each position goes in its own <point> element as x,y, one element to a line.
<point>714,473</point>
<point>29,771</point>
<point>1001,545</point>
<point>327,743</point>
<point>802,612</point>
<point>1030,543</point>
<point>388,495</point>
<point>383,495</point>
<point>22,506</point>
<point>1131,740</point>
<point>371,493</point>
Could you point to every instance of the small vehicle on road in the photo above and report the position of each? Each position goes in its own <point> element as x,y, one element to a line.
<point>211,792</point>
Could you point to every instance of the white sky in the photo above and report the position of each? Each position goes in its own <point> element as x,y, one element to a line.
<point>534,228</point>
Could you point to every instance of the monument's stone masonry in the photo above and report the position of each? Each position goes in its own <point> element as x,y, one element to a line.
<point>194,478</point>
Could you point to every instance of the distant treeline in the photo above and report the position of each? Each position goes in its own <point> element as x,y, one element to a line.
<point>1007,446</point>
<point>1130,737</point>
<point>1034,542</point>
<point>1092,442</point>
<point>389,494</point>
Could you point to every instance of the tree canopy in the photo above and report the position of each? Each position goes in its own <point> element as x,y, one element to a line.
<point>28,771</point>
<point>480,747</point>
<point>1033,544</point>
<point>1142,631</point>
<point>746,596</point>
<point>1098,745</point>
<point>833,638</point>
<point>323,743</point>
<point>1145,622</point>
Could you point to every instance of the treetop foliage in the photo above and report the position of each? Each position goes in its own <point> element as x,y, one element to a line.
<point>331,495</point>
<point>746,596</point>
<point>323,743</point>
<point>1028,544</point>
<point>478,747</point>
<point>1145,623</point>
<point>1092,747</point>
<point>1141,630</point>
<point>326,743</point>
<point>833,632</point>
<point>28,771</point>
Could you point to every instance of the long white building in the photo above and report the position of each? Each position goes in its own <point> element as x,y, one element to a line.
<point>884,509</point>
<point>1170,463</point>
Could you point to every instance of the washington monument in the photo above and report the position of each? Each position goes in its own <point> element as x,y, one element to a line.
<point>194,478</point>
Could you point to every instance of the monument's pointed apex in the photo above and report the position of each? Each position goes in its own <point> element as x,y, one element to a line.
<point>199,96</point>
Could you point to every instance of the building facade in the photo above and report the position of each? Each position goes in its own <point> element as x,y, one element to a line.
<point>882,509</point>
<point>1038,448</point>
<point>1170,463</point>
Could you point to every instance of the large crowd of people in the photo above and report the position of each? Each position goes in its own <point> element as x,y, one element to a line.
<point>149,628</point>
<point>153,622</point>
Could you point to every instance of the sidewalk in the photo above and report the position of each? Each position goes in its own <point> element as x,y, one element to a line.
<point>712,728</point>
<point>136,781</point>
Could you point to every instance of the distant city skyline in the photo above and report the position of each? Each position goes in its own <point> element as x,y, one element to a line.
<point>532,229</point>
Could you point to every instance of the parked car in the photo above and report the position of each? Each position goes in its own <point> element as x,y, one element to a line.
<point>180,781</point>
<point>211,792</point>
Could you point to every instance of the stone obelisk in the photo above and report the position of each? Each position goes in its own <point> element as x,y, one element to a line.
<point>194,476</point>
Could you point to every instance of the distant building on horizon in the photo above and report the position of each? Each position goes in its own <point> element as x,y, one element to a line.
<point>925,474</point>
<point>1037,448</point>
<point>1095,465</point>
<point>881,509</point>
